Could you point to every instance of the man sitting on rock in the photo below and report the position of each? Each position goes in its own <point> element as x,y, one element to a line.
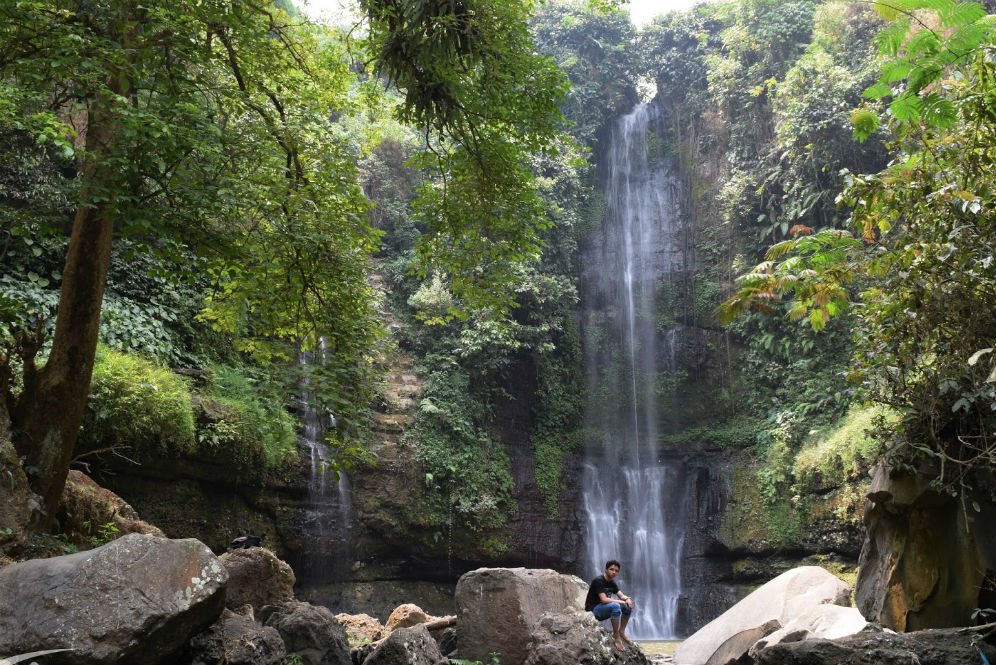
<point>599,603</point>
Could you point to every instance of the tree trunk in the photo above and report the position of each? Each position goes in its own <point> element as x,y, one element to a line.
<point>49,411</point>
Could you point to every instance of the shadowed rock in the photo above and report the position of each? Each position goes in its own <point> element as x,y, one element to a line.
<point>927,647</point>
<point>237,639</point>
<point>309,631</point>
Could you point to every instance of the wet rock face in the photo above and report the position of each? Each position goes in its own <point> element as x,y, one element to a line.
<point>766,610</point>
<point>163,592</point>
<point>926,558</point>
<point>735,541</point>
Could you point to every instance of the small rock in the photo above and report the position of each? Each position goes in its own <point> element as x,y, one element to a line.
<point>361,627</point>
<point>405,616</point>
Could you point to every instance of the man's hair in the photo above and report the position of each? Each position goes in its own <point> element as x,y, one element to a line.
<point>613,562</point>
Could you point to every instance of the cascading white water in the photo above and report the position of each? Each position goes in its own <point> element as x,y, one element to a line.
<point>635,502</point>
<point>329,517</point>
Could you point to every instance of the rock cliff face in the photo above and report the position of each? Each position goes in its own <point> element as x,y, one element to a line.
<point>735,540</point>
<point>930,557</point>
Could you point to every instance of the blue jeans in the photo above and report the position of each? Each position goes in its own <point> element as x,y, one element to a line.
<point>604,611</point>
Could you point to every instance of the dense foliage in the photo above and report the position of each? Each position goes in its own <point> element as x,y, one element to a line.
<point>914,263</point>
<point>202,133</point>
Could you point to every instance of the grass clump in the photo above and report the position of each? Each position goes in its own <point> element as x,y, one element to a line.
<point>845,451</point>
<point>139,405</point>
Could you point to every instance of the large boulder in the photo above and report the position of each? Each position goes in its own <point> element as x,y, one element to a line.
<point>237,639</point>
<point>927,554</point>
<point>761,613</point>
<point>574,636</point>
<point>136,600</point>
<point>310,632</point>
<point>827,622</point>
<point>498,609</point>
<point>927,647</point>
<point>406,646</point>
<point>258,578</point>
<point>88,511</point>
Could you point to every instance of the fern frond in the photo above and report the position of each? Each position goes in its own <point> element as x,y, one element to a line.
<point>779,250</point>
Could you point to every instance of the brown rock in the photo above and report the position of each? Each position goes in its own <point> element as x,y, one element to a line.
<point>405,616</point>
<point>926,554</point>
<point>362,627</point>
<point>89,513</point>
<point>258,578</point>
<point>17,502</point>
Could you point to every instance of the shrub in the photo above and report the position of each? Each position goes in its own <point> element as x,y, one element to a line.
<point>138,404</point>
<point>845,451</point>
<point>253,424</point>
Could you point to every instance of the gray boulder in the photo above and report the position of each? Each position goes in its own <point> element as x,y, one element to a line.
<point>237,639</point>
<point>136,600</point>
<point>926,647</point>
<point>575,637</point>
<point>406,646</point>
<point>499,609</point>
<point>310,632</point>
<point>761,613</point>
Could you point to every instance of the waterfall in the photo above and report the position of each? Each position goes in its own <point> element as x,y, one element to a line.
<point>635,502</point>
<point>329,515</point>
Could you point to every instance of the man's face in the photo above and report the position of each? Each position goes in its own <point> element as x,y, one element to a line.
<point>611,572</point>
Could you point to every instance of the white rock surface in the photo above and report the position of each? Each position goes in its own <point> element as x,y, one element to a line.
<point>823,621</point>
<point>766,610</point>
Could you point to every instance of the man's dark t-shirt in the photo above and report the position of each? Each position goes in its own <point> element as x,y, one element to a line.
<point>599,585</point>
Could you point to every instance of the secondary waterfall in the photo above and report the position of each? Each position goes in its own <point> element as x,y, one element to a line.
<point>634,501</point>
<point>329,516</point>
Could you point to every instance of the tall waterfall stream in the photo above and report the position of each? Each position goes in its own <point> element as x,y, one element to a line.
<point>634,501</point>
<point>329,517</point>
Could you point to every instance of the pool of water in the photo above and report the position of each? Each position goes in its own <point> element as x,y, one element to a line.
<point>659,647</point>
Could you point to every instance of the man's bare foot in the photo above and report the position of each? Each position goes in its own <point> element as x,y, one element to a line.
<point>619,645</point>
<point>626,639</point>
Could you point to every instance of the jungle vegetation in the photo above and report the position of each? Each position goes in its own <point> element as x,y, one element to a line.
<point>209,184</point>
